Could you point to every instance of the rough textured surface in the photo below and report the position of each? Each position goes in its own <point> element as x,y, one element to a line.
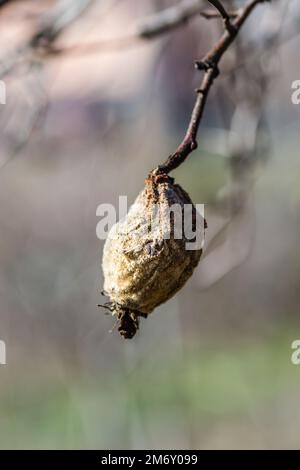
<point>143,268</point>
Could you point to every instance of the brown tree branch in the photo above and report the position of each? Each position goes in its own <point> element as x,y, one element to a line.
<point>209,64</point>
<point>223,13</point>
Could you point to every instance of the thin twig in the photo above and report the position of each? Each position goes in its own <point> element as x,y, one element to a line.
<point>226,17</point>
<point>209,64</point>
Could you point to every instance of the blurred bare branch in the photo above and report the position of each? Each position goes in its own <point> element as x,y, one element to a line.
<point>4,2</point>
<point>151,27</point>
<point>230,236</point>
<point>22,116</point>
<point>50,25</point>
<point>173,17</point>
<point>62,15</point>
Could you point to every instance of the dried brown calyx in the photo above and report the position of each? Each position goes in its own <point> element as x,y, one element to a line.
<point>148,255</point>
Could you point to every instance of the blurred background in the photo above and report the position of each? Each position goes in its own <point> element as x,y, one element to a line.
<point>96,96</point>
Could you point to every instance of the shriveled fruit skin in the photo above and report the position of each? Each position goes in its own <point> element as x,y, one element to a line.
<point>142,268</point>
